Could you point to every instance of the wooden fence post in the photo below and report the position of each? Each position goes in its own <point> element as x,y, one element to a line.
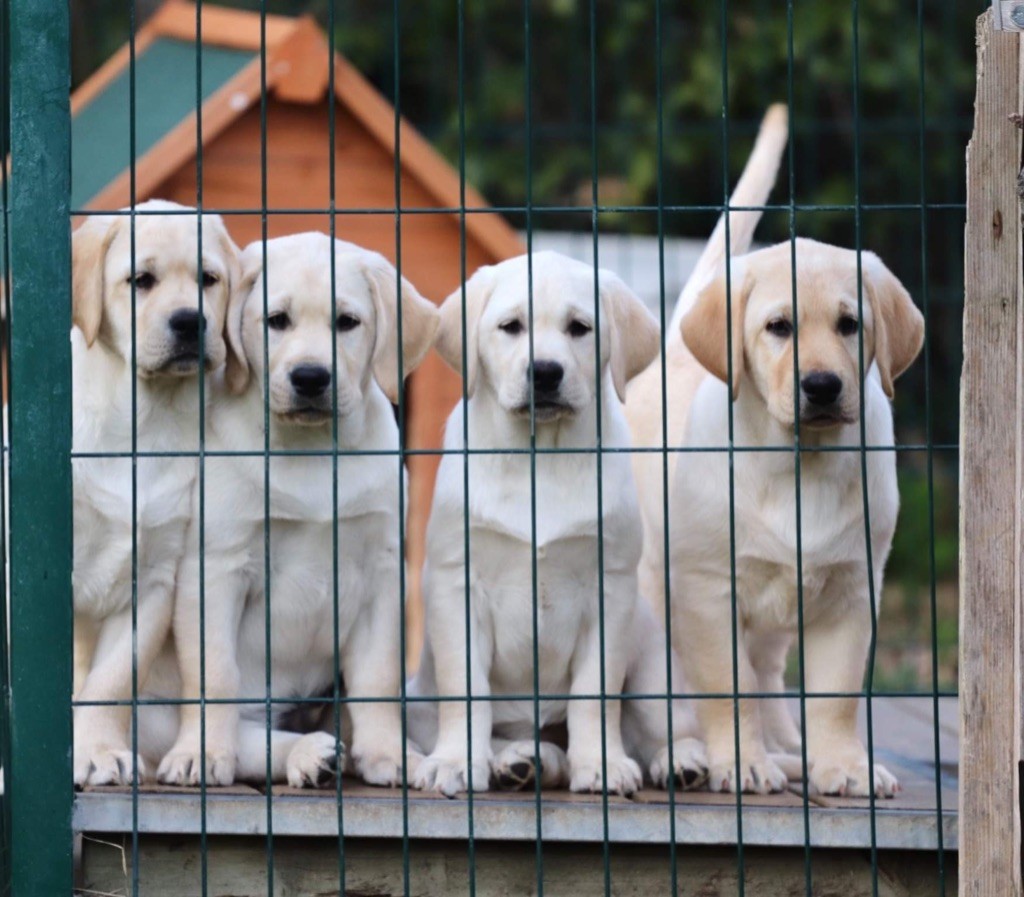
<point>991,434</point>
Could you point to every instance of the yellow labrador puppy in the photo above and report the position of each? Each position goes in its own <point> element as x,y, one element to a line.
<point>311,627</point>
<point>174,344</point>
<point>827,400</point>
<point>511,528</point>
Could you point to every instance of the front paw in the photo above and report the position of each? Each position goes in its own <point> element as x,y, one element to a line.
<point>385,767</point>
<point>105,764</point>
<point>314,760</point>
<point>758,776</point>
<point>619,775</point>
<point>184,766</point>
<point>850,777</point>
<point>514,767</point>
<point>448,775</point>
<point>689,765</point>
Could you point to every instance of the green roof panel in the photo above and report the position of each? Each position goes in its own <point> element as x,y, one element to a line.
<point>165,94</point>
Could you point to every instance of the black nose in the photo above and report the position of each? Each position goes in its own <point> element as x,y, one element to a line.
<point>310,379</point>
<point>821,387</point>
<point>186,324</point>
<point>547,375</point>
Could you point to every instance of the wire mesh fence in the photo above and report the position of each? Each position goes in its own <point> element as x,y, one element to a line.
<point>643,558</point>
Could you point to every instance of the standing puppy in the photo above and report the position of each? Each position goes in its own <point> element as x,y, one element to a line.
<point>837,581</point>
<point>174,344</point>
<point>270,568</point>
<point>521,513</point>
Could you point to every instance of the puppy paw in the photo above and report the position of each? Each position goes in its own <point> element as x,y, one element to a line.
<point>689,767</point>
<point>623,776</point>
<point>515,766</point>
<point>384,768</point>
<point>185,767</point>
<point>107,765</point>
<point>314,761</point>
<point>450,775</point>
<point>851,778</point>
<point>762,776</point>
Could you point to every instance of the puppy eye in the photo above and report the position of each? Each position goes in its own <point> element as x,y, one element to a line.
<point>209,279</point>
<point>848,325</point>
<point>779,327</point>
<point>143,281</point>
<point>579,329</point>
<point>512,328</point>
<point>279,320</point>
<point>346,323</point>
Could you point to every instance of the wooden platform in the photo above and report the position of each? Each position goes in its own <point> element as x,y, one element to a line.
<point>904,738</point>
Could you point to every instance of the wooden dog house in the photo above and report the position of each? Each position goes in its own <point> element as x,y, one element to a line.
<point>296,147</point>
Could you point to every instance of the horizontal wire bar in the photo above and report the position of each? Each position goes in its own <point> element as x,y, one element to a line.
<point>553,450</point>
<point>554,209</point>
<point>427,699</point>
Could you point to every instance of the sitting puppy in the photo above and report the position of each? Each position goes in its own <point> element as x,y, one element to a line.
<point>532,525</point>
<point>834,554</point>
<point>153,391</point>
<point>321,359</point>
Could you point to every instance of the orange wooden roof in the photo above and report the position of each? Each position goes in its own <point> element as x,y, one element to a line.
<point>297,58</point>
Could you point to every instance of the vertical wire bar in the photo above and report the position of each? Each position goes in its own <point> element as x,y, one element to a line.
<point>740,860</point>
<point>401,438</point>
<point>598,457</point>
<point>930,454</point>
<point>528,87</point>
<point>471,842</point>
<point>801,670</point>
<point>666,542</point>
<point>332,126</point>
<point>132,200</point>
<point>268,707</point>
<point>39,784</point>
<point>855,10</point>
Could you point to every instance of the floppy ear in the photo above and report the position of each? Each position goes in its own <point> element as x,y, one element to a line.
<point>704,326</point>
<point>247,268</point>
<point>634,334</point>
<point>89,245</point>
<point>450,337</point>
<point>899,326</point>
<point>419,324</point>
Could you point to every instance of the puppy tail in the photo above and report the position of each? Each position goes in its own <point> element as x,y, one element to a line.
<point>753,189</point>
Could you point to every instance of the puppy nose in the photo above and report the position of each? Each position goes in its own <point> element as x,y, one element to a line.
<point>186,324</point>
<point>310,379</point>
<point>821,387</point>
<point>547,375</point>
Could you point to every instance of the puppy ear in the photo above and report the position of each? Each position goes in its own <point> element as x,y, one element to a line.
<point>89,245</point>
<point>450,337</point>
<point>248,267</point>
<point>704,327</point>
<point>634,334</point>
<point>899,326</point>
<point>420,320</point>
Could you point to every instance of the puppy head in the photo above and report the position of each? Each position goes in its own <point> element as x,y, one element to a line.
<point>169,273</point>
<point>562,376</point>
<point>828,320</point>
<point>305,335</point>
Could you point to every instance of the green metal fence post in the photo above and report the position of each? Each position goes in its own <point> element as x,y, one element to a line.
<point>40,775</point>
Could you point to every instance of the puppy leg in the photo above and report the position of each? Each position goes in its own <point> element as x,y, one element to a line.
<point>102,755</point>
<point>768,657</point>
<point>701,628</point>
<point>515,764</point>
<point>303,761</point>
<point>225,595</point>
<point>835,651</point>
<point>593,769</point>
<point>448,769</point>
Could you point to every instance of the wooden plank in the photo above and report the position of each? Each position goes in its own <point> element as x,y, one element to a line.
<point>1008,15</point>
<point>171,865</point>
<point>990,504</point>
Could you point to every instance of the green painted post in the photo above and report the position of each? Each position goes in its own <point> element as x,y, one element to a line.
<point>40,776</point>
